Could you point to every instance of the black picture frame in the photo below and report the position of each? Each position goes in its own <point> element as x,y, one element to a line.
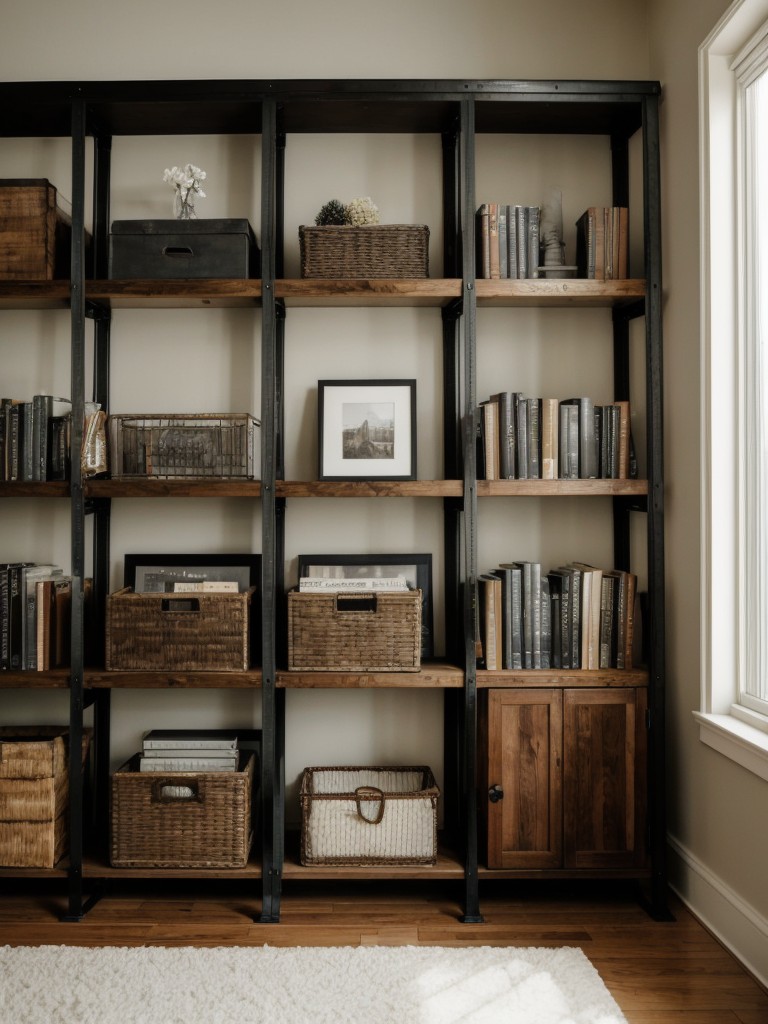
<point>244,568</point>
<point>346,449</point>
<point>417,569</point>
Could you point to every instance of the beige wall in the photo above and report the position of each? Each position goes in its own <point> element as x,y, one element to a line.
<point>718,818</point>
<point>720,843</point>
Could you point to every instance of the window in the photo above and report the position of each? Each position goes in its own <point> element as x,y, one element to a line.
<point>733,65</point>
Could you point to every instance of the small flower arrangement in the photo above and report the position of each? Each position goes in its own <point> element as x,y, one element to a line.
<point>186,183</point>
<point>357,213</point>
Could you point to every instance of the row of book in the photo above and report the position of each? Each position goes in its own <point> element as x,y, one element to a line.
<point>508,242</point>
<point>574,617</point>
<point>185,750</point>
<point>523,438</point>
<point>34,439</point>
<point>35,616</point>
<point>602,243</point>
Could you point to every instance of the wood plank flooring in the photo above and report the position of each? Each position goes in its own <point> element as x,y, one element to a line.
<point>660,972</point>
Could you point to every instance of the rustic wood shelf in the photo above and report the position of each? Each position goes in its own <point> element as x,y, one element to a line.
<point>54,679</point>
<point>97,679</point>
<point>369,488</point>
<point>369,292</point>
<point>554,677</point>
<point>184,294</point>
<point>96,868</point>
<point>173,488</point>
<point>35,489</point>
<point>570,488</point>
<point>567,292</point>
<point>432,675</point>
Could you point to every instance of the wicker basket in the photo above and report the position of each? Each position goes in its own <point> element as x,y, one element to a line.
<point>378,250</point>
<point>205,632</point>
<point>181,819</point>
<point>354,632</point>
<point>34,794</point>
<point>369,815</point>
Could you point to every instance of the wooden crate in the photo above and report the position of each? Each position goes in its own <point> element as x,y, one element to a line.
<point>205,632</point>
<point>368,815</point>
<point>35,231</point>
<point>354,632</point>
<point>34,794</point>
<point>181,819</point>
<point>377,250</point>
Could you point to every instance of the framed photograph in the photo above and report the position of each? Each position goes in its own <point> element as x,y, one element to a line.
<point>367,429</point>
<point>156,574</point>
<point>417,570</point>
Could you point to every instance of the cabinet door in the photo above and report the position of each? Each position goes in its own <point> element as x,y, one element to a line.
<point>604,754</point>
<point>524,759</point>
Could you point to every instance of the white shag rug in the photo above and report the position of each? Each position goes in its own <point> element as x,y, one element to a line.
<point>306,985</point>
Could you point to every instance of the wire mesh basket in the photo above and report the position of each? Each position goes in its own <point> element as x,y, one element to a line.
<point>178,446</point>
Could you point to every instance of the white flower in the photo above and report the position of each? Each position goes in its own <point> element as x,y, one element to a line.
<point>362,211</point>
<point>185,180</point>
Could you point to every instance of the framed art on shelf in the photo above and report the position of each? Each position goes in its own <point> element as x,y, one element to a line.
<point>416,568</point>
<point>153,574</point>
<point>367,429</point>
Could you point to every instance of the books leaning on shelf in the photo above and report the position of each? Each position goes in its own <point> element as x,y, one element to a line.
<point>184,750</point>
<point>576,616</point>
<point>602,243</point>
<point>328,584</point>
<point>523,438</point>
<point>34,439</point>
<point>35,609</point>
<point>508,242</point>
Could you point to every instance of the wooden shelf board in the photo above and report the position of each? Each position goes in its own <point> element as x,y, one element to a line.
<point>214,293</point>
<point>34,294</point>
<point>103,680</point>
<point>35,489</point>
<point>571,488</point>
<point>172,488</point>
<point>369,488</point>
<point>448,866</point>
<point>369,292</point>
<point>60,871</point>
<point>491,679</point>
<point>95,868</point>
<point>561,874</point>
<point>567,292</point>
<point>56,679</point>
<point>432,675</point>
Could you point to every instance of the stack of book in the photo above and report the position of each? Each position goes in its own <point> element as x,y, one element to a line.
<point>508,243</point>
<point>353,584</point>
<point>34,439</point>
<point>602,243</point>
<point>548,439</point>
<point>189,750</point>
<point>575,616</point>
<point>35,608</point>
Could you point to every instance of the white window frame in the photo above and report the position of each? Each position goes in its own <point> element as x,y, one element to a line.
<point>736,731</point>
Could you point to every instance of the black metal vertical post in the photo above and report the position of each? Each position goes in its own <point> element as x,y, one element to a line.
<point>621,365</point>
<point>271,788</point>
<point>468,328</point>
<point>77,506</point>
<point>655,456</point>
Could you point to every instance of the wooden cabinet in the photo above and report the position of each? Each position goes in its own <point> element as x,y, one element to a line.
<point>564,778</point>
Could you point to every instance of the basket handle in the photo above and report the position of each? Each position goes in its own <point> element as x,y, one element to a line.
<point>178,251</point>
<point>170,791</point>
<point>369,793</point>
<point>356,604</point>
<point>180,604</point>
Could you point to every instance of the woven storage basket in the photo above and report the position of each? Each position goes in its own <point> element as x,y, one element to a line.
<point>369,815</point>
<point>181,819</point>
<point>177,632</point>
<point>34,794</point>
<point>377,250</point>
<point>354,632</point>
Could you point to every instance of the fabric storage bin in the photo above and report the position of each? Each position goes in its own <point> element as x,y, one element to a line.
<point>34,794</point>
<point>190,632</point>
<point>35,231</point>
<point>368,815</point>
<point>177,249</point>
<point>376,250</point>
<point>354,632</point>
<point>181,819</point>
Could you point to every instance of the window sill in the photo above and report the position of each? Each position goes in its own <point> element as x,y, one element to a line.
<point>742,743</point>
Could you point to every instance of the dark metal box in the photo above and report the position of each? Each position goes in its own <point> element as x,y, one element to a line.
<point>176,249</point>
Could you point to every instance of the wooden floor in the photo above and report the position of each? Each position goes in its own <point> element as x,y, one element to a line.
<point>670,972</point>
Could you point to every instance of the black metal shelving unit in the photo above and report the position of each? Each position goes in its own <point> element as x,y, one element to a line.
<point>457,111</point>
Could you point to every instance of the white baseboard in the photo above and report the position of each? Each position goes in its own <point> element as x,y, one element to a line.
<point>734,922</point>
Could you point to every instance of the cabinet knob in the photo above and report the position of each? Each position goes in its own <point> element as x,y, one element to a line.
<point>495,793</point>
